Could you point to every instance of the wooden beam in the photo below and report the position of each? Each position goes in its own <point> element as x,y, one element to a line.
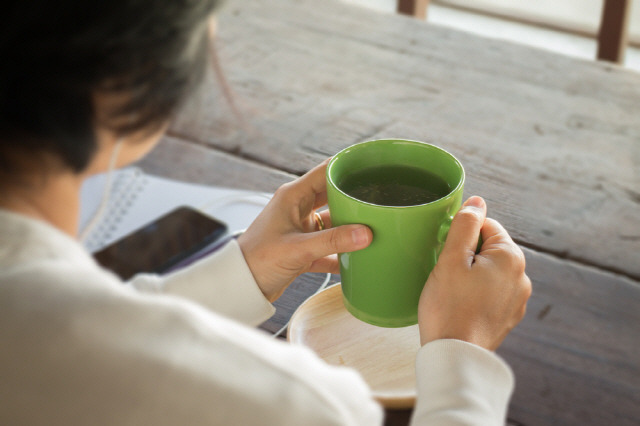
<point>555,23</point>
<point>417,8</point>
<point>614,25</point>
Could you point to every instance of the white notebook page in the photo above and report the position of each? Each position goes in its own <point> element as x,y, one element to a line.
<point>137,198</point>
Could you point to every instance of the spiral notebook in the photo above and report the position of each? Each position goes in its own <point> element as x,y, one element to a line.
<point>137,198</point>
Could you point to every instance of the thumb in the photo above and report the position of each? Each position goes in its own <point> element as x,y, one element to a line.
<point>342,239</point>
<point>465,229</point>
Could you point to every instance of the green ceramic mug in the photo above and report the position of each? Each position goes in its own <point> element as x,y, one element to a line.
<point>381,284</point>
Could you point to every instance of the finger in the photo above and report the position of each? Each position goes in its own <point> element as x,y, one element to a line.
<point>343,239</point>
<point>315,225</point>
<point>317,181</point>
<point>316,178</point>
<point>325,215</point>
<point>328,264</point>
<point>493,233</point>
<point>308,191</point>
<point>500,246</point>
<point>320,193</point>
<point>321,199</point>
<point>465,228</point>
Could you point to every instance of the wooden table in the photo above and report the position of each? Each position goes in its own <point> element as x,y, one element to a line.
<point>552,143</point>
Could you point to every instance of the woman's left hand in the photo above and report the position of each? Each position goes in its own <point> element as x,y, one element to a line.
<point>284,240</point>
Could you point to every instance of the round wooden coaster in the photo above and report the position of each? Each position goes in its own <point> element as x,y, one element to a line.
<point>385,357</point>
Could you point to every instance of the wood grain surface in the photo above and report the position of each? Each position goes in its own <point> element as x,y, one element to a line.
<point>575,354</point>
<point>385,357</point>
<point>552,143</point>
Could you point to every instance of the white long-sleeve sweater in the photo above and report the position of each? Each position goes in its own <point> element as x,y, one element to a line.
<point>80,347</point>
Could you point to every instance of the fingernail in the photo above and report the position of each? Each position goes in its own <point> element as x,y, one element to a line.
<point>360,236</point>
<point>474,201</point>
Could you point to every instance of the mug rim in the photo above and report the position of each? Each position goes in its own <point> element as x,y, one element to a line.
<point>444,199</point>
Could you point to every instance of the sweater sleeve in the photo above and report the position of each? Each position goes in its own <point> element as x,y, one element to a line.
<point>461,384</point>
<point>103,354</point>
<point>221,282</point>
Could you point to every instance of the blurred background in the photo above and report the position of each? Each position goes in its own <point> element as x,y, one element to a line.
<point>568,27</point>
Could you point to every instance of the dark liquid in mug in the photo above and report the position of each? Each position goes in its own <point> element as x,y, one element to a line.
<point>394,185</point>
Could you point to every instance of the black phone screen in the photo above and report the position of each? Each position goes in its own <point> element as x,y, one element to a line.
<point>161,244</point>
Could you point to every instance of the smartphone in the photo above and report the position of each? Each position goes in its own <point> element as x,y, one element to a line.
<point>162,244</point>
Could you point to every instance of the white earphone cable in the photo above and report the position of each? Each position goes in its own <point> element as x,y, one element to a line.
<point>106,192</point>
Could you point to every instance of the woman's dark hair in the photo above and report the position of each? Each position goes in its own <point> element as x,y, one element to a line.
<point>57,55</point>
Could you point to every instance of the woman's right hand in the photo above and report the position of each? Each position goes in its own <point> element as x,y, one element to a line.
<point>478,298</point>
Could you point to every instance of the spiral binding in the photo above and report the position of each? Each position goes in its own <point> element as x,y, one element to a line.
<point>127,186</point>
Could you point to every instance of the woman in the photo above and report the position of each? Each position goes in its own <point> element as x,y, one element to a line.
<point>86,85</point>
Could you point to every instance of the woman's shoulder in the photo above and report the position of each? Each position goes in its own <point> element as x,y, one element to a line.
<point>109,345</point>
<point>27,243</point>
